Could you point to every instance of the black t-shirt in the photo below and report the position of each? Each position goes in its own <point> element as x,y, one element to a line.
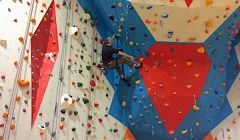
<point>107,52</point>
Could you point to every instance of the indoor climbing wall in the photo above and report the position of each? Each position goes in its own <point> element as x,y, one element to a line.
<point>189,82</point>
<point>51,84</point>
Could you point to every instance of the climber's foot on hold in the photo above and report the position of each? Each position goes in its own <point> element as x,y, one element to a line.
<point>126,80</point>
<point>139,65</point>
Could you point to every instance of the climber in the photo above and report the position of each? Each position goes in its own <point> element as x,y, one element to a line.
<point>110,62</point>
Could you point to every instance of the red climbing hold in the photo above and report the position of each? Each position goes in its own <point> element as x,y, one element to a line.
<point>188,2</point>
<point>92,83</point>
<point>100,41</point>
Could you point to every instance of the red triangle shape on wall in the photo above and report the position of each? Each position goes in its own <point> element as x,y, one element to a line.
<point>188,2</point>
<point>44,41</point>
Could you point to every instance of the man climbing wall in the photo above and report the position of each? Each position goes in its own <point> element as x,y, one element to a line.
<point>113,63</point>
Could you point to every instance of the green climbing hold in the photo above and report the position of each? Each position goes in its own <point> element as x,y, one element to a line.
<point>110,129</point>
<point>85,100</point>
<point>79,84</point>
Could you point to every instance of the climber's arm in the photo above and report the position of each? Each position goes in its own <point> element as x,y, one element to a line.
<point>126,55</point>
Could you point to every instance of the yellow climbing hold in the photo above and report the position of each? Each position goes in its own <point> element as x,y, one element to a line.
<point>195,107</point>
<point>120,4</point>
<point>124,103</point>
<point>138,82</point>
<point>209,23</point>
<point>122,19</point>
<point>191,39</point>
<point>206,92</point>
<point>208,2</point>
<point>130,43</point>
<point>201,50</point>
<point>184,131</point>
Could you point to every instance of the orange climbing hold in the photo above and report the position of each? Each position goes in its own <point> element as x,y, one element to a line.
<point>21,39</point>
<point>44,5</point>
<point>18,98</point>
<point>30,34</point>
<point>201,50</point>
<point>12,126</point>
<point>33,21</point>
<point>23,83</point>
<point>5,115</point>
<point>25,58</point>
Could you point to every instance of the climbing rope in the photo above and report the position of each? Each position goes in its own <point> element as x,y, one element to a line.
<point>12,103</point>
<point>61,75</point>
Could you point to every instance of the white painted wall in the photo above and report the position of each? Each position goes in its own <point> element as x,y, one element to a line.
<point>11,31</point>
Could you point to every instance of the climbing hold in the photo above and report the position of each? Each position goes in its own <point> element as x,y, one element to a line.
<point>88,67</point>
<point>100,120</point>
<point>44,5</point>
<point>92,83</point>
<point>149,6</point>
<point>12,126</point>
<point>130,43</point>
<point>61,126</point>
<point>124,103</point>
<point>119,4</point>
<point>164,15</point>
<point>21,39</point>
<point>195,107</point>
<point>3,43</point>
<point>208,2</point>
<point>33,21</point>
<point>138,82</point>
<point>238,67</point>
<point>201,50</point>
<point>18,98</point>
<point>23,83</point>
<point>111,17</point>
<point>85,100</point>
<point>183,132</point>
<point>5,115</point>
<point>79,84</point>
<point>132,27</point>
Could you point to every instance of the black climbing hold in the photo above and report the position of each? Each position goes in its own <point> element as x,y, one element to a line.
<point>92,89</point>
<point>113,6</point>
<point>62,119</point>
<point>69,66</point>
<point>132,27</point>
<point>78,99</point>
<point>84,32</point>
<point>70,113</point>
<point>115,130</point>
<point>85,100</point>
<point>73,129</point>
<point>83,44</point>
<point>75,113</point>
<point>63,111</point>
<point>70,96</point>
<point>94,63</point>
<point>106,115</point>
<point>80,18</point>
<point>6,106</point>
<point>81,56</point>
<point>111,17</point>
<point>92,76</point>
<point>85,20</point>
<point>80,71</point>
<point>107,95</point>
<point>64,3</point>
<point>96,39</point>
<point>89,132</point>
<point>89,117</point>
<point>95,50</point>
